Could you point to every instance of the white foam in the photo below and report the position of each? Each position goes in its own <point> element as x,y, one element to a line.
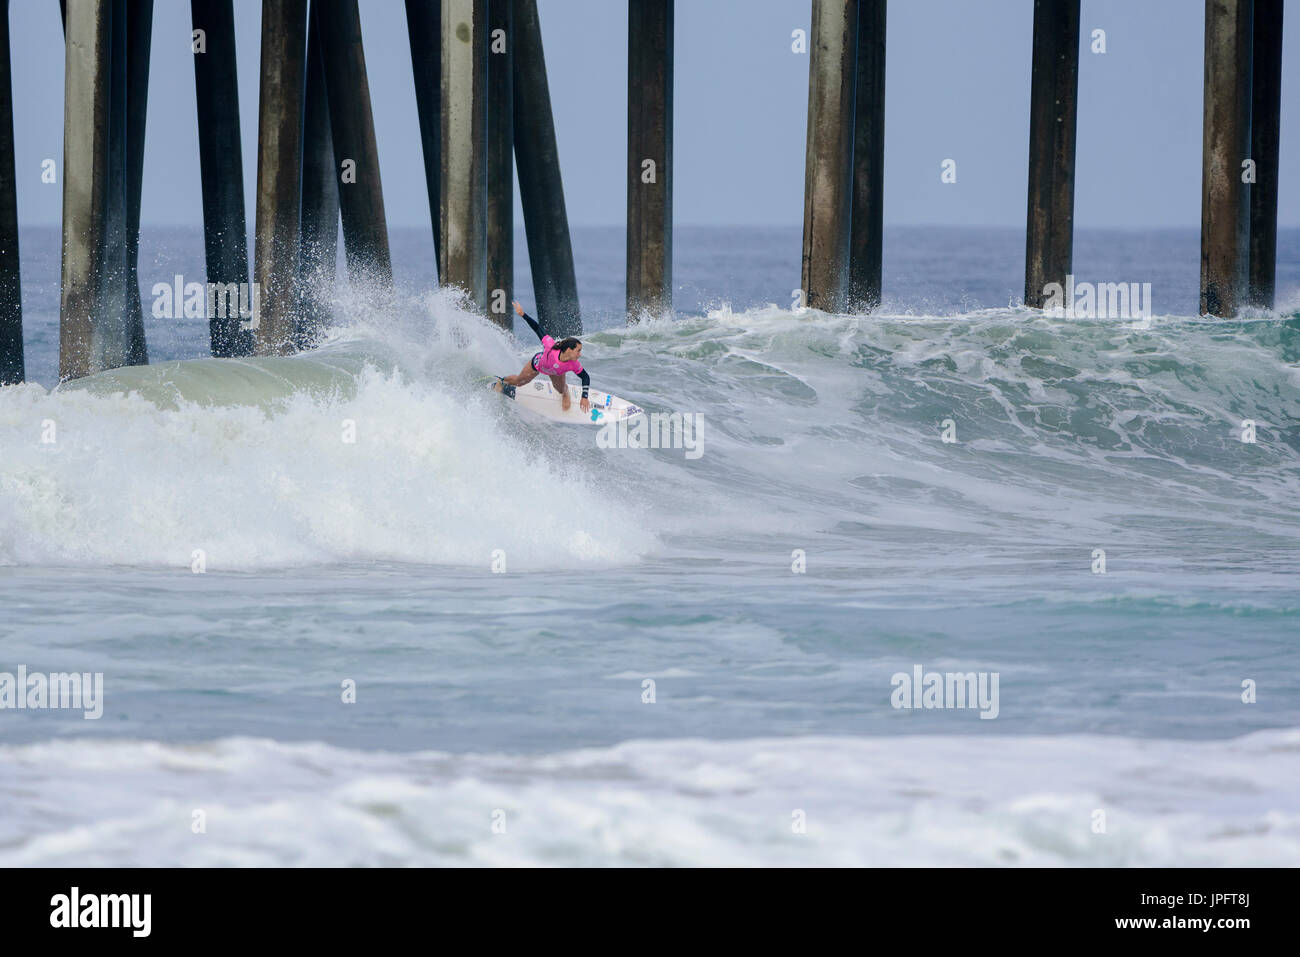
<point>954,800</point>
<point>432,477</point>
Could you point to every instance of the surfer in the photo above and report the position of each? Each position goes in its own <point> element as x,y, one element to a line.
<point>555,359</point>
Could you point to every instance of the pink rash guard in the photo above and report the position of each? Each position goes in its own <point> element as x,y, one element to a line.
<point>548,361</point>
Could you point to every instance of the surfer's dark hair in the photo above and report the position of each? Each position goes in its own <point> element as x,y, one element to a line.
<point>564,345</point>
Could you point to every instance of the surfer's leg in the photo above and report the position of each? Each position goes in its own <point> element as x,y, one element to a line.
<point>558,382</point>
<point>526,375</point>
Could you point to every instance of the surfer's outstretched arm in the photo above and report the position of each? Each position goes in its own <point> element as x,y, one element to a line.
<point>530,320</point>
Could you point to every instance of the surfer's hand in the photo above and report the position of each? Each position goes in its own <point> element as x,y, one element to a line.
<point>586,404</point>
<point>519,309</point>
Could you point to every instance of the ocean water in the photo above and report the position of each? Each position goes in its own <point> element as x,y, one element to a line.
<point>678,660</point>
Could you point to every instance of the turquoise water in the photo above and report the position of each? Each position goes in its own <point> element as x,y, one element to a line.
<point>826,540</point>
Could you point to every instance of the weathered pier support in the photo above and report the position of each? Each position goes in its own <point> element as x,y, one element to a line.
<point>1225,199</point>
<point>139,34</point>
<point>12,366</point>
<point>114,295</point>
<point>866,236</point>
<point>356,154</point>
<point>500,164</point>
<point>86,344</point>
<point>225,239</point>
<point>1265,105</point>
<point>1053,111</point>
<point>828,169</point>
<point>424,30</point>
<point>463,179</point>
<point>650,158</point>
<point>541,189</point>
<point>318,246</point>
<point>117,295</point>
<point>279,172</point>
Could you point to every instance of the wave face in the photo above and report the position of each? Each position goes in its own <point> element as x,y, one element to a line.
<point>818,431</point>
<point>367,448</point>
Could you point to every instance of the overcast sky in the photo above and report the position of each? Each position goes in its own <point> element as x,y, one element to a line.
<point>957,87</point>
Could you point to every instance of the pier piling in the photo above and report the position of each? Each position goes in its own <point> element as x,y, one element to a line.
<point>1053,111</point>
<point>649,158</point>
<point>115,338</point>
<point>279,172</point>
<point>500,165</point>
<point>1225,199</point>
<point>139,35</point>
<point>541,188</point>
<point>828,164</point>
<point>12,365</point>
<point>1266,85</point>
<point>225,240</point>
<point>463,179</point>
<point>86,128</point>
<point>318,250</point>
<point>866,236</point>
<point>356,154</point>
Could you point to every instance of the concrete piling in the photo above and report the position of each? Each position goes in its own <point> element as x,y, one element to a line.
<point>318,248</point>
<point>139,35</point>
<point>500,164</point>
<point>88,50</point>
<point>828,165</point>
<point>118,313</point>
<point>1266,100</point>
<point>279,172</point>
<point>866,232</point>
<point>12,365</point>
<point>225,241</point>
<point>463,179</point>
<point>649,158</point>
<point>356,154</point>
<point>541,188</point>
<point>1225,199</point>
<point>115,336</point>
<point>1053,110</point>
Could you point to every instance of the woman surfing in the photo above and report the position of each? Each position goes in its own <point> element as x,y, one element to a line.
<point>555,359</point>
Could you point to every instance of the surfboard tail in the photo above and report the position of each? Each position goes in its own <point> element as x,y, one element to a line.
<point>498,384</point>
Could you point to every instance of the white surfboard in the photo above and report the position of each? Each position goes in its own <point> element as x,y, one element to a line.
<point>540,398</point>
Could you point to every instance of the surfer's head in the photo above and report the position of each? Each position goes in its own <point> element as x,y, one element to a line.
<point>569,348</point>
